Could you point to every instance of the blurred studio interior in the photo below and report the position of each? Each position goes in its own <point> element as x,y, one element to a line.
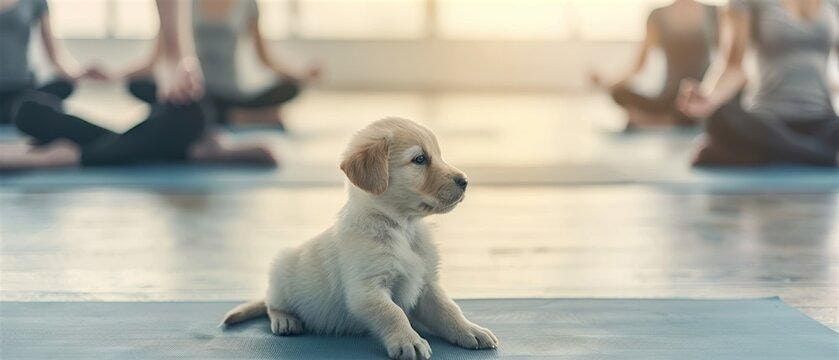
<point>615,149</point>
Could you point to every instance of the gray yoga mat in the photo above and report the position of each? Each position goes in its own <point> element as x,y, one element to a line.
<point>528,328</point>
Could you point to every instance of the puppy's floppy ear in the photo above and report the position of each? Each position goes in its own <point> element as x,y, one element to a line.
<point>366,165</point>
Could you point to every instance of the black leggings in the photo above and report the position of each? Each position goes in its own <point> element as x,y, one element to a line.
<point>662,104</point>
<point>165,136</point>
<point>51,94</point>
<point>775,140</point>
<point>218,106</point>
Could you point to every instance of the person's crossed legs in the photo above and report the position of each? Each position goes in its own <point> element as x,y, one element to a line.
<point>165,136</point>
<point>259,108</point>
<point>171,133</point>
<point>737,137</point>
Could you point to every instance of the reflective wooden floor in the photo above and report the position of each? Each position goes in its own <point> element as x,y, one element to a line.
<point>520,240</point>
<point>607,241</point>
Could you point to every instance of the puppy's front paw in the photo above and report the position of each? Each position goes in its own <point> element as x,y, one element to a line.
<point>284,324</point>
<point>408,347</point>
<point>475,337</point>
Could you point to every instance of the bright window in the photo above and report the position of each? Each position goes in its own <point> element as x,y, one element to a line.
<point>362,19</point>
<point>612,20</point>
<point>79,18</point>
<point>135,19</point>
<point>274,18</point>
<point>588,20</point>
<point>502,19</point>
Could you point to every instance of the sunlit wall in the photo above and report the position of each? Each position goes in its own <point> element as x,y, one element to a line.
<point>523,44</point>
<point>522,20</point>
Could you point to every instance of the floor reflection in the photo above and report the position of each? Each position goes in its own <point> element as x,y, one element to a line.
<point>609,241</point>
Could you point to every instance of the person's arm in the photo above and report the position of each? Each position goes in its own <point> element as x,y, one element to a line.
<point>65,65</point>
<point>651,41</point>
<point>726,77</point>
<point>170,37</point>
<point>145,67</point>
<point>182,80</point>
<point>270,61</point>
<point>264,54</point>
<point>835,84</point>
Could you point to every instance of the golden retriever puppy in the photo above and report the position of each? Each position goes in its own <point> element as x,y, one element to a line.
<point>375,270</point>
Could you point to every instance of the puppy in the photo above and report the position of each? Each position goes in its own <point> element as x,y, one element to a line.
<point>375,270</point>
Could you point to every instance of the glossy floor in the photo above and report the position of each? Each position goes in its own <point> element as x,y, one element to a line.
<point>606,241</point>
<point>575,239</point>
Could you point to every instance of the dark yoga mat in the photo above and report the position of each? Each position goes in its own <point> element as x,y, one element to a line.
<point>528,328</point>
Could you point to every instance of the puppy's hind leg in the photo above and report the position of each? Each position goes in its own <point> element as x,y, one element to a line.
<point>246,311</point>
<point>284,323</point>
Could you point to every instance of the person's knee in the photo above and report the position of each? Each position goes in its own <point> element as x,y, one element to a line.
<point>621,95</point>
<point>143,89</point>
<point>292,89</point>
<point>187,120</point>
<point>61,88</point>
<point>285,91</point>
<point>26,114</point>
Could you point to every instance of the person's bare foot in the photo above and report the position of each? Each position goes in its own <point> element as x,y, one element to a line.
<point>710,154</point>
<point>211,151</point>
<point>637,119</point>
<point>263,116</point>
<point>248,155</point>
<point>595,80</point>
<point>57,154</point>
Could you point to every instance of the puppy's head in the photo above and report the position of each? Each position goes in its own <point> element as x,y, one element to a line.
<point>399,162</point>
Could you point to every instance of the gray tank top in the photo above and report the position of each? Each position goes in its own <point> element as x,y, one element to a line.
<point>16,20</point>
<point>216,44</point>
<point>792,57</point>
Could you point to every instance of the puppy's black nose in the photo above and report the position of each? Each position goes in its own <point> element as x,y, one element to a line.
<point>461,182</point>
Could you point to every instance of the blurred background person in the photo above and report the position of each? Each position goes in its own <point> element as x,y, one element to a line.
<point>218,25</point>
<point>17,81</point>
<point>791,118</point>
<point>686,32</point>
<point>174,131</point>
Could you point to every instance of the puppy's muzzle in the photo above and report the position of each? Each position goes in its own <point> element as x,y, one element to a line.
<point>461,182</point>
<point>453,194</point>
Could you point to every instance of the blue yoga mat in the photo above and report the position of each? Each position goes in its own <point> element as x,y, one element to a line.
<point>528,329</point>
<point>192,177</point>
<point>673,174</point>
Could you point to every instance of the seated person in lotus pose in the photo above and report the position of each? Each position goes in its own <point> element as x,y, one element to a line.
<point>791,118</point>
<point>217,26</point>
<point>17,82</point>
<point>685,30</point>
<point>174,131</point>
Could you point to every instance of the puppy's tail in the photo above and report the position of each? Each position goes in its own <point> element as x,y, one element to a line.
<point>246,311</point>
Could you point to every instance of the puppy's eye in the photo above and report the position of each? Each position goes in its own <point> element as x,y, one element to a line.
<point>420,160</point>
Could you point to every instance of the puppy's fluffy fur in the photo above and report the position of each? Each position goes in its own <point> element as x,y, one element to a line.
<point>375,270</point>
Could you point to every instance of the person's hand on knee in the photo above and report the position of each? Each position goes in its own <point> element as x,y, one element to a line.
<point>693,102</point>
<point>313,72</point>
<point>96,72</point>
<point>181,82</point>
